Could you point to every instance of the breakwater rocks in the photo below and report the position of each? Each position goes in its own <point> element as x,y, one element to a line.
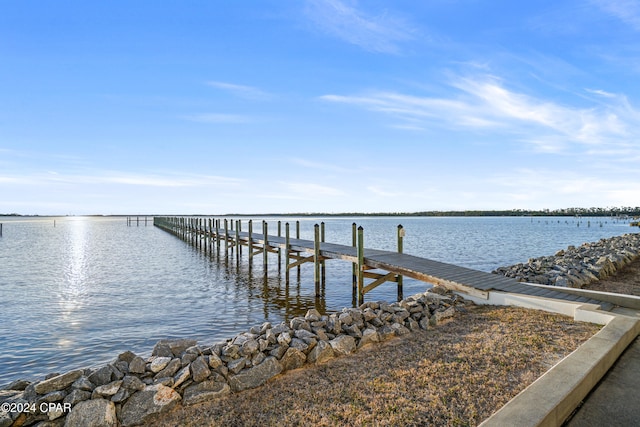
<point>577,266</point>
<point>132,389</point>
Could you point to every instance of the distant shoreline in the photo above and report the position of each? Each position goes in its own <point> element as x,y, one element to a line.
<point>624,212</point>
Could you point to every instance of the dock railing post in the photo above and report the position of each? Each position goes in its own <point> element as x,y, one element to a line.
<point>217,221</point>
<point>249,243</point>
<point>238,245</point>
<point>265,252</point>
<point>354,275</point>
<point>322,263</point>
<point>360,265</point>
<point>400,249</point>
<point>286,252</point>
<point>316,258</point>
<point>226,238</point>
<point>298,237</point>
<point>279,248</point>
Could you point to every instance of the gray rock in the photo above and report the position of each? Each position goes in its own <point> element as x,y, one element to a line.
<point>256,376</point>
<point>77,396</point>
<point>19,385</point>
<point>101,376</point>
<point>279,351</point>
<point>237,365</point>
<point>54,396</point>
<point>313,315</point>
<point>343,344</point>
<point>154,399</point>
<point>258,359</point>
<point>199,369</point>
<point>106,390</point>
<point>159,363</point>
<point>215,361</point>
<point>204,391</point>
<point>83,383</point>
<point>127,356</point>
<point>284,338</point>
<point>132,383</point>
<point>249,347</point>
<point>170,370</point>
<point>299,344</point>
<point>172,348</point>
<point>5,419</point>
<point>293,359</point>
<point>137,365</point>
<point>369,336</point>
<point>93,413</point>
<point>59,382</point>
<point>444,314</point>
<point>321,353</point>
<point>183,375</point>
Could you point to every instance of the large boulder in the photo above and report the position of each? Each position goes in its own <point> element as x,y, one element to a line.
<point>59,382</point>
<point>153,399</point>
<point>256,376</point>
<point>92,413</point>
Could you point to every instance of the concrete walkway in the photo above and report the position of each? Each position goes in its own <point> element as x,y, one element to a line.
<point>616,399</point>
<point>601,378</point>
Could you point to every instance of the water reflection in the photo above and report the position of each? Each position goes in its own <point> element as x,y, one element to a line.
<point>269,286</point>
<point>72,291</point>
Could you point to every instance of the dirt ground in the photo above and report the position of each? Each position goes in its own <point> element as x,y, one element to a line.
<point>456,374</point>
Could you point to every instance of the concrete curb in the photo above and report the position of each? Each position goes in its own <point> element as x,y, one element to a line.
<point>554,396</point>
<point>629,301</point>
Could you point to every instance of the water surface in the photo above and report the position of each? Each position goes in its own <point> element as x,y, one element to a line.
<point>76,291</point>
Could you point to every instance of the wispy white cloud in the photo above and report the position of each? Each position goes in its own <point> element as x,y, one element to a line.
<point>242,91</point>
<point>484,102</point>
<point>628,11</point>
<point>217,118</point>
<point>381,33</point>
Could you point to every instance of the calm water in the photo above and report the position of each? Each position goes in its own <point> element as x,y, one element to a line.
<point>76,291</point>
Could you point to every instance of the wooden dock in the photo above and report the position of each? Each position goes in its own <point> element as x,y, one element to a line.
<point>210,235</point>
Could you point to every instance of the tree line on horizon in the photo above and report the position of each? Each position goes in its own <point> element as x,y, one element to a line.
<point>594,212</point>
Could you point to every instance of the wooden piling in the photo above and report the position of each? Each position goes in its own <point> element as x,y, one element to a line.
<point>0,229</point>
<point>360,265</point>
<point>354,275</point>
<point>322,263</point>
<point>226,238</point>
<point>287,245</point>
<point>400,249</point>
<point>279,248</point>
<point>265,252</point>
<point>239,229</point>
<point>298,237</point>
<point>316,258</point>
<point>250,242</point>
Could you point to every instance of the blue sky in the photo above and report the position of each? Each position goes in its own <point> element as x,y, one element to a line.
<point>216,107</point>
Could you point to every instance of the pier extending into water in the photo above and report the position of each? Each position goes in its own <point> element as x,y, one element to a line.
<point>216,235</point>
<point>223,237</point>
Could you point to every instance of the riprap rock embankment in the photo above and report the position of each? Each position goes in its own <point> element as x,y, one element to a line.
<point>132,389</point>
<point>577,266</point>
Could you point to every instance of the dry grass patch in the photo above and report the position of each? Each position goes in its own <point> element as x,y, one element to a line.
<point>456,374</point>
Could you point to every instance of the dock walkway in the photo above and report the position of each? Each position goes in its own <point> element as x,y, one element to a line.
<point>396,264</point>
